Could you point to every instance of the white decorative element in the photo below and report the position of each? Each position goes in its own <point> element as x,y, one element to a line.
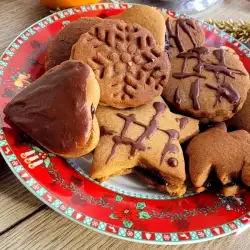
<point>15,163</point>
<point>19,41</point>
<point>49,197</point>
<point>228,207</point>
<point>36,187</point>
<point>36,28</point>
<point>112,228</point>
<point>33,160</point>
<point>63,207</point>
<point>217,230</point>
<point>78,216</point>
<point>30,159</point>
<point>239,200</point>
<point>25,175</point>
<point>148,236</point>
<point>241,230</point>
<point>26,154</point>
<point>232,226</point>
<point>201,234</point>
<point>245,219</point>
<point>35,164</point>
<point>130,233</point>
<point>183,235</point>
<point>166,237</point>
<point>7,150</point>
<point>94,223</point>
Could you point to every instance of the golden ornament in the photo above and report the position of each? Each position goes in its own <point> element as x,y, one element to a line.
<point>239,30</point>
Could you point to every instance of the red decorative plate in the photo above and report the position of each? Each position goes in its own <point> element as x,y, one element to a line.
<point>122,207</point>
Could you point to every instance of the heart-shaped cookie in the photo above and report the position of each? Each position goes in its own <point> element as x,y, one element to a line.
<point>58,110</point>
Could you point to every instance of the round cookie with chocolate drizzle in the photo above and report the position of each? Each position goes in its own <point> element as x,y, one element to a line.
<point>128,63</point>
<point>183,34</point>
<point>211,84</point>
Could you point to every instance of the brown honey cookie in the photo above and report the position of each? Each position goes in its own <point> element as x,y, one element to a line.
<point>143,140</point>
<point>127,62</point>
<point>183,35</point>
<point>241,120</point>
<point>209,83</point>
<point>226,153</point>
<point>58,110</point>
<point>59,49</point>
<point>147,17</point>
<point>188,126</point>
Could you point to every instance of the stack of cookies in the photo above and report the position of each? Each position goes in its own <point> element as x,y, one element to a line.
<point>134,87</point>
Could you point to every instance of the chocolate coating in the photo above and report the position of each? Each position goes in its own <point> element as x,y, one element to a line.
<point>172,162</point>
<point>54,110</point>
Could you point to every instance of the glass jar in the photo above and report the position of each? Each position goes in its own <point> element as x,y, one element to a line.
<point>184,6</point>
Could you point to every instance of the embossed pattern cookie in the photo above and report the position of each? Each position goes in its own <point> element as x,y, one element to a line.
<point>183,34</point>
<point>127,62</point>
<point>59,49</point>
<point>144,140</point>
<point>209,83</point>
<point>147,17</point>
<point>227,153</point>
<point>58,110</point>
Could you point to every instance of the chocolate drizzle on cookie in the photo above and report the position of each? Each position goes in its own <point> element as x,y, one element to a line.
<point>169,147</point>
<point>195,94</point>
<point>223,90</point>
<point>185,25</point>
<point>150,130</point>
<point>172,162</point>
<point>182,122</point>
<point>104,131</point>
<point>177,98</point>
<point>227,91</point>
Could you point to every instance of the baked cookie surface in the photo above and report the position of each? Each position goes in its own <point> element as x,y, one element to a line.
<point>144,140</point>
<point>147,17</point>
<point>183,34</point>
<point>241,120</point>
<point>59,49</point>
<point>127,62</point>
<point>227,153</point>
<point>210,84</point>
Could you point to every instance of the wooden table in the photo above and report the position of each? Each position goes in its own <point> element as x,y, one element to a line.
<point>25,222</point>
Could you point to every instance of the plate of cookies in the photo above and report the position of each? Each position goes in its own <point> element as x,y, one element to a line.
<point>132,121</point>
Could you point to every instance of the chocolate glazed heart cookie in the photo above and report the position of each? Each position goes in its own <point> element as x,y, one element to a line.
<point>209,83</point>
<point>127,62</point>
<point>58,110</point>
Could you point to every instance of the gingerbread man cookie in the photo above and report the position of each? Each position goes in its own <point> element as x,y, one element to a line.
<point>144,140</point>
<point>227,153</point>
